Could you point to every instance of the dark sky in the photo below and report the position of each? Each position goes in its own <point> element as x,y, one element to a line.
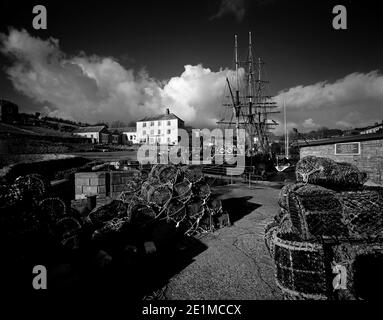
<point>295,38</point>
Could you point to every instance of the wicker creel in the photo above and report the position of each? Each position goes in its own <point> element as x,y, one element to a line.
<point>300,268</point>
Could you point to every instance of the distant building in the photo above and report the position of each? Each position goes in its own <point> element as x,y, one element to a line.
<point>115,137</point>
<point>372,129</point>
<point>9,111</point>
<point>129,135</point>
<point>161,129</point>
<point>98,134</point>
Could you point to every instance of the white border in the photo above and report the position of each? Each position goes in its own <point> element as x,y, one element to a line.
<point>348,154</point>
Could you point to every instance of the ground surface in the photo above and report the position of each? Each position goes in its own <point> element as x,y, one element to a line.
<point>235,264</point>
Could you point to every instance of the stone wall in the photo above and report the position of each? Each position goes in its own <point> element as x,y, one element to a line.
<point>91,183</point>
<point>103,184</point>
<point>370,159</point>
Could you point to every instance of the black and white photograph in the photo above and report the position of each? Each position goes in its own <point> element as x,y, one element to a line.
<point>212,153</point>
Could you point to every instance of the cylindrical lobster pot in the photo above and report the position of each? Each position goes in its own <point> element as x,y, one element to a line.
<point>140,212</point>
<point>176,211</point>
<point>202,190</point>
<point>32,186</point>
<point>183,190</point>
<point>167,174</point>
<point>300,268</point>
<point>52,208</point>
<point>193,173</point>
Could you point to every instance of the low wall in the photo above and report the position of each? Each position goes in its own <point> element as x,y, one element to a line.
<point>91,183</point>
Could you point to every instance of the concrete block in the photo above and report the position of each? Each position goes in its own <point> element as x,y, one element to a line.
<point>78,190</point>
<point>81,181</point>
<point>80,196</point>
<point>98,181</point>
<point>89,190</point>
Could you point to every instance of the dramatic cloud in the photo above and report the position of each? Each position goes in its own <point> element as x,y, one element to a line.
<point>355,100</point>
<point>309,124</point>
<point>235,7</point>
<point>92,88</point>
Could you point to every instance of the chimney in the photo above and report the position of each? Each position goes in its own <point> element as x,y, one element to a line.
<point>167,111</point>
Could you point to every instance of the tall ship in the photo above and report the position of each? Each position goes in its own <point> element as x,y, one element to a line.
<point>248,105</point>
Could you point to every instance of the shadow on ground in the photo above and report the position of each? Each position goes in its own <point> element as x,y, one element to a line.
<point>239,207</point>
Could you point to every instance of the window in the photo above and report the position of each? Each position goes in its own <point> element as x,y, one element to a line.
<point>151,140</point>
<point>152,123</point>
<point>159,123</point>
<point>151,132</point>
<point>169,131</point>
<point>169,140</point>
<point>144,124</point>
<point>159,131</point>
<point>144,132</point>
<point>168,123</point>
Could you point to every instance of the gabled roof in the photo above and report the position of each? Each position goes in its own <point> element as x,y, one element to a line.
<point>125,129</point>
<point>170,116</point>
<point>89,129</point>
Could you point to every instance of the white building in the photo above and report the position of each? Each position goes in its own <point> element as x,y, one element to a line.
<point>130,134</point>
<point>96,133</point>
<point>161,129</point>
<point>372,129</point>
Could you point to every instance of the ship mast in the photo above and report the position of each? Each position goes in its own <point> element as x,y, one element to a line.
<point>252,105</point>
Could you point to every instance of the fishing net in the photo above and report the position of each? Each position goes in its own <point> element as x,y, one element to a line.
<point>202,190</point>
<point>284,193</point>
<point>176,211</point>
<point>9,196</point>
<point>316,212</point>
<point>140,213</point>
<point>183,190</point>
<point>363,212</point>
<point>112,226</point>
<point>155,170</point>
<point>193,173</point>
<point>328,173</point>
<point>32,186</point>
<point>215,206</point>
<point>167,174</point>
<point>300,267</point>
<point>159,195</point>
<point>52,208</point>
<point>127,196</point>
<point>107,212</point>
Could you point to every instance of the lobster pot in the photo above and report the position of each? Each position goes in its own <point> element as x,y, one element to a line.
<point>32,186</point>
<point>300,268</point>
<point>215,206</point>
<point>362,263</point>
<point>67,227</point>
<point>167,174</point>
<point>284,193</point>
<point>140,213</point>
<point>176,211</point>
<point>183,190</point>
<point>193,173</point>
<point>316,212</point>
<point>155,170</point>
<point>52,209</point>
<point>107,212</point>
<point>202,190</point>
<point>270,231</point>
<point>328,173</point>
<point>127,196</point>
<point>112,226</point>
<point>133,185</point>
<point>157,194</point>
<point>363,212</point>
<point>9,196</point>
<point>195,209</point>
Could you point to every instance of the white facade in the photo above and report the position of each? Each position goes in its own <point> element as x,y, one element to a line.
<point>131,136</point>
<point>163,131</point>
<point>94,136</point>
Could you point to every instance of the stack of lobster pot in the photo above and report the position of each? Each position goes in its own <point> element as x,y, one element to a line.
<point>327,239</point>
